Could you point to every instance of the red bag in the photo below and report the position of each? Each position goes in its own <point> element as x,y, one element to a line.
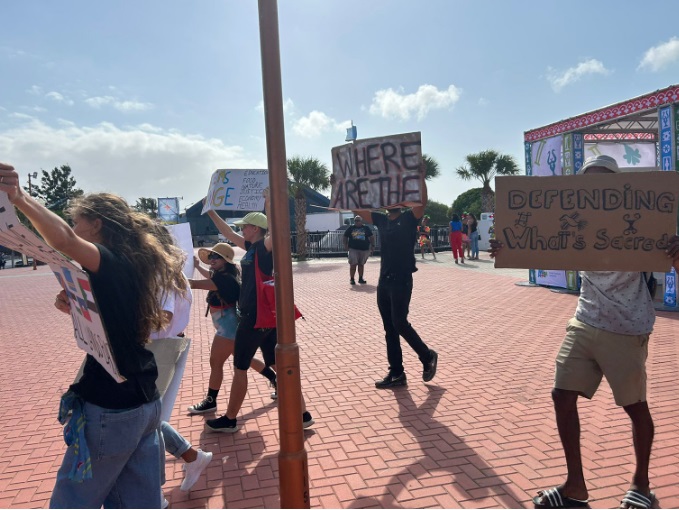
<point>266,299</point>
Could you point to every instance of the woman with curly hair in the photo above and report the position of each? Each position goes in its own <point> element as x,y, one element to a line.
<point>116,461</point>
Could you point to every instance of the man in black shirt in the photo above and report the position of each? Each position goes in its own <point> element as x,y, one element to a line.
<point>398,232</point>
<point>359,242</point>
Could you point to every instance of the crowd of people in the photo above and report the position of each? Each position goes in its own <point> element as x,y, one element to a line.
<point>116,432</point>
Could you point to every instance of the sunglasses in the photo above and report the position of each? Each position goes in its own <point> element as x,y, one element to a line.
<point>214,256</point>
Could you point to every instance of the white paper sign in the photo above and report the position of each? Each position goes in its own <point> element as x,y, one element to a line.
<point>182,235</point>
<point>87,326</point>
<point>236,190</point>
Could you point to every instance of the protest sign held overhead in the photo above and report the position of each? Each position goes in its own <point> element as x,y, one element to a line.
<point>378,172</point>
<point>88,328</point>
<point>236,190</point>
<point>590,222</point>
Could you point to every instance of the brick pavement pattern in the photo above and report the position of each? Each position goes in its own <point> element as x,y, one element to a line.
<point>480,435</point>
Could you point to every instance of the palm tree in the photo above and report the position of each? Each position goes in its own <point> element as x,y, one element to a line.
<point>484,166</point>
<point>431,167</point>
<point>305,172</point>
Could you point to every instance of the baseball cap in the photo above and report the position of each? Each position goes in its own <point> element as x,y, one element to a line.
<point>222,249</point>
<point>257,219</point>
<point>602,161</point>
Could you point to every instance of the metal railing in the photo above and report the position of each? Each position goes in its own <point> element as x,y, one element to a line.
<point>331,243</point>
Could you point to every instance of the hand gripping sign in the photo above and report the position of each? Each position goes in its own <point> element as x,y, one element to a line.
<point>378,172</point>
<point>88,328</point>
<point>236,190</point>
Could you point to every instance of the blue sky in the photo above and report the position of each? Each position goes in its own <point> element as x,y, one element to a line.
<point>149,98</point>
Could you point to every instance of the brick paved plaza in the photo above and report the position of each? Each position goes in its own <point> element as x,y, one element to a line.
<point>480,435</point>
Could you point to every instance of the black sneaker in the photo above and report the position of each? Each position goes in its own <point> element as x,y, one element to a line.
<point>352,282</point>
<point>430,368</point>
<point>274,393</point>
<point>207,405</point>
<point>222,424</point>
<point>307,420</point>
<point>361,280</point>
<point>392,381</point>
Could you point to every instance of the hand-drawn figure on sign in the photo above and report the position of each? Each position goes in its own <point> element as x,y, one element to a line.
<point>572,221</point>
<point>631,220</point>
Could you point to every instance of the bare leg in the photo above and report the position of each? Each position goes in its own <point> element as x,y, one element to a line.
<point>642,433</point>
<point>239,388</point>
<point>360,272</point>
<point>220,351</point>
<point>352,271</point>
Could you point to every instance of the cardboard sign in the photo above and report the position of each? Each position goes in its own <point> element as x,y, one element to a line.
<point>182,235</point>
<point>378,172</point>
<point>591,222</point>
<point>88,328</point>
<point>236,190</point>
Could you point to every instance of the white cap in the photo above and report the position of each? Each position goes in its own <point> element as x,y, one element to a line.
<point>602,161</point>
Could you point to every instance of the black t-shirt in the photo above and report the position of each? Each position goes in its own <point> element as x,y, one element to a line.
<point>116,292</point>
<point>359,237</point>
<point>473,226</point>
<point>228,289</point>
<point>248,291</point>
<point>397,242</point>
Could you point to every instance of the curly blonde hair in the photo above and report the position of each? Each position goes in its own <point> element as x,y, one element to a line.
<point>134,237</point>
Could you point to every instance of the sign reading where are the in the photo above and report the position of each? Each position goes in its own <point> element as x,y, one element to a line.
<point>597,222</point>
<point>378,172</point>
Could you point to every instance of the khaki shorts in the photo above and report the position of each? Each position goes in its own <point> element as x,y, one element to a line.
<point>358,257</point>
<point>588,353</point>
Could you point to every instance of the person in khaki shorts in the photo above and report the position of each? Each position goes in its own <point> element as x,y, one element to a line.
<point>608,336</point>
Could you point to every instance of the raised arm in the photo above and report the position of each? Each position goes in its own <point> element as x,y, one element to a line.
<point>206,284</point>
<point>201,269</point>
<point>226,230</point>
<point>56,232</point>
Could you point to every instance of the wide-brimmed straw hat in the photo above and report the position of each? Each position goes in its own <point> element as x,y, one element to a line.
<point>222,249</point>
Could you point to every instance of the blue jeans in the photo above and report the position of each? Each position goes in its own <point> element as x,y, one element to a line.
<point>175,444</point>
<point>126,461</point>
<point>474,238</point>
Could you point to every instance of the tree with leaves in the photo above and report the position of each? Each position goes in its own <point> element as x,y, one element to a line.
<point>437,212</point>
<point>484,166</point>
<point>469,201</point>
<point>148,206</point>
<point>305,172</point>
<point>431,167</point>
<point>56,189</point>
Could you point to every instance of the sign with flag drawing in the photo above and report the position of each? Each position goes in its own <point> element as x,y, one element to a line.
<point>88,328</point>
<point>168,210</point>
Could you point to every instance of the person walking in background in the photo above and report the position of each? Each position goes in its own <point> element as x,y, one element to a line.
<point>255,239</point>
<point>455,236</point>
<point>223,286</point>
<point>424,232</point>
<point>2,261</point>
<point>473,225</point>
<point>359,243</point>
<point>115,460</point>
<point>398,232</point>
<point>466,245</point>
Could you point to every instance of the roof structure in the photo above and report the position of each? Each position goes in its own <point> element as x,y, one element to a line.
<point>634,119</point>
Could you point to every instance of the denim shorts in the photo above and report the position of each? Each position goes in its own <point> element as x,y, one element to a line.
<point>225,322</point>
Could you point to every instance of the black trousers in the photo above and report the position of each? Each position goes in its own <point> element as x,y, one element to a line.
<point>393,301</point>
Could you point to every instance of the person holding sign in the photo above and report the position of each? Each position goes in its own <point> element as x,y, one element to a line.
<point>114,457</point>
<point>255,239</point>
<point>608,336</point>
<point>223,286</point>
<point>398,232</point>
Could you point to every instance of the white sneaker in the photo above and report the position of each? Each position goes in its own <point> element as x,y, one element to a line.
<point>193,470</point>
<point>165,503</point>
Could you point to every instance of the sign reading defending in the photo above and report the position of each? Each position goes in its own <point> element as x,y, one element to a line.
<point>591,222</point>
<point>378,172</point>
<point>88,328</point>
<point>236,190</point>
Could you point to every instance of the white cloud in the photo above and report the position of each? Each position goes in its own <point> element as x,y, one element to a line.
<point>59,98</point>
<point>35,90</point>
<point>661,56</point>
<point>391,104</point>
<point>317,123</point>
<point>132,162</point>
<point>122,106</point>
<point>573,74</point>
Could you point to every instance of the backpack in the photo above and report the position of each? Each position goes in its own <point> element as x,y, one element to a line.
<point>651,283</point>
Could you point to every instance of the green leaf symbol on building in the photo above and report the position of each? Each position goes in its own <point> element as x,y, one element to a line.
<point>632,155</point>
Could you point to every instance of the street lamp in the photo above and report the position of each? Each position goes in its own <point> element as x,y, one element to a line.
<point>30,192</point>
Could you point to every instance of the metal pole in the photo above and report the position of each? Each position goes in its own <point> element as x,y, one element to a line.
<point>30,193</point>
<point>292,459</point>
